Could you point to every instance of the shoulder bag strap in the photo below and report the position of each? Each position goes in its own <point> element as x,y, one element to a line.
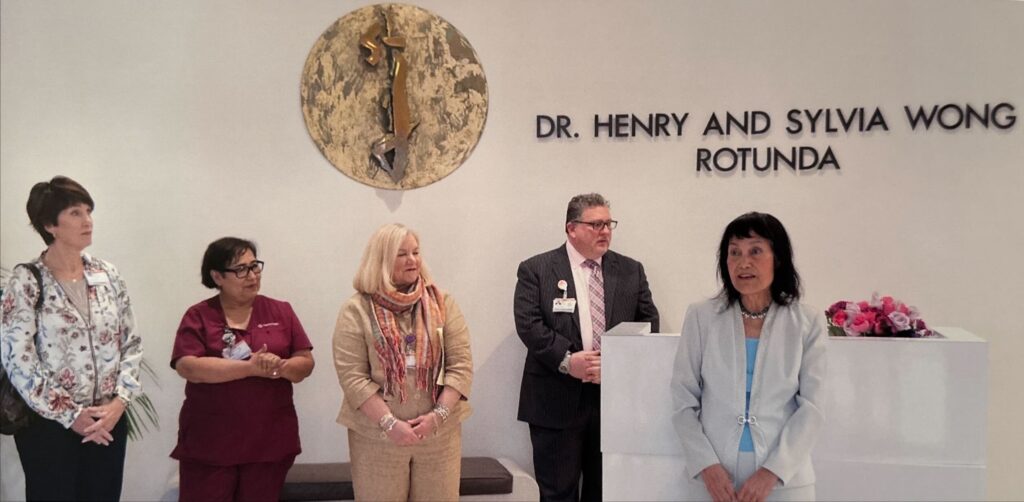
<point>39,281</point>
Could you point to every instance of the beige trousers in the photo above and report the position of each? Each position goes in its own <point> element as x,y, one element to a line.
<point>427,471</point>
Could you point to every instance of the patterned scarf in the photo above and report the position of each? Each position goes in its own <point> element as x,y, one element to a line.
<point>428,316</point>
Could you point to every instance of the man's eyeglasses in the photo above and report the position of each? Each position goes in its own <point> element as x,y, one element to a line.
<point>242,271</point>
<point>599,225</point>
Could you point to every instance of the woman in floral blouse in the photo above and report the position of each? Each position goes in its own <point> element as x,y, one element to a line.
<point>75,360</point>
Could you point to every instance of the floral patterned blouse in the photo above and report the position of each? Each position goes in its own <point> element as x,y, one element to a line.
<point>64,362</point>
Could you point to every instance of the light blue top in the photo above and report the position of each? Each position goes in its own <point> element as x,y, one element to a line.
<point>747,442</point>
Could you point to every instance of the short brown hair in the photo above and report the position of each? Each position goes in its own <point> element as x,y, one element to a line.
<point>581,203</point>
<point>48,198</point>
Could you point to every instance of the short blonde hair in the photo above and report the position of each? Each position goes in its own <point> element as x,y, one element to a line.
<point>374,274</point>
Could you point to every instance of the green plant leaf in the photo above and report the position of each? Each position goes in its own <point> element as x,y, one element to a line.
<point>141,413</point>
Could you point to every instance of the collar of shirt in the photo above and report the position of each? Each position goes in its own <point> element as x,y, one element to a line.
<point>575,258</point>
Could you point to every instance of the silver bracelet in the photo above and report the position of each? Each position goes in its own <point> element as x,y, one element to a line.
<point>386,423</point>
<point>442,411</point>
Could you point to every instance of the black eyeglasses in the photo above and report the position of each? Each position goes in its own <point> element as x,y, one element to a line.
<point>242,271</point>
<point>599,225</point>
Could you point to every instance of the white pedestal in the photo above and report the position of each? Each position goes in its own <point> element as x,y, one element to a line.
<point>905,419</point>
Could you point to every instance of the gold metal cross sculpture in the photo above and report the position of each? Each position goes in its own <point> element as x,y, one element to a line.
<point>392,150</point>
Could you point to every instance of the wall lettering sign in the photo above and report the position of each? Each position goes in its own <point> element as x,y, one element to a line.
<point>798,123</point>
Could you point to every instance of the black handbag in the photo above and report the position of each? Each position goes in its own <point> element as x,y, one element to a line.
<point>14,413</point>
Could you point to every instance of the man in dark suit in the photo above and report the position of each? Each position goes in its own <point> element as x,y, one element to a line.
<point>564,301</point>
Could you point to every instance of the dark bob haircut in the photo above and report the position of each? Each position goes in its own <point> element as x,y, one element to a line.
<point>48,198</point>
<point>220,253</point>
<point>786,285</point>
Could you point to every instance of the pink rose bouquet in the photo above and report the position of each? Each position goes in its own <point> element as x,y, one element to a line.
<point>882,316</point>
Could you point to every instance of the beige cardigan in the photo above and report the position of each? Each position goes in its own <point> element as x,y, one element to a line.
<point>361,374</point>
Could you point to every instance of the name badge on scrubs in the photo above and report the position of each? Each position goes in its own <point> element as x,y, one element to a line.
<point>564,306</point>
<point>97,278</point>
<point>239,351</point>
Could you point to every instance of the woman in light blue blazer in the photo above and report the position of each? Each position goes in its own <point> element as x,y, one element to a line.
<point>747,384</point>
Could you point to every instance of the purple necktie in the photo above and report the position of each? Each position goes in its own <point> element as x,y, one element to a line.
<point>596,288</point>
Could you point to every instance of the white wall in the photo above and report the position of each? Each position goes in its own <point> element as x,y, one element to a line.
<point>183,120</point>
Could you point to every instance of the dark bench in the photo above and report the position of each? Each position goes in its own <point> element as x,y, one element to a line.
<point>333,481</point>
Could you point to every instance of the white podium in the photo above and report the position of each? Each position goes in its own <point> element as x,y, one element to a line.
<point>905,419</point>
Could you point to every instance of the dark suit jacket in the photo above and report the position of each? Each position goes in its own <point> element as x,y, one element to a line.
<point>547,397</point>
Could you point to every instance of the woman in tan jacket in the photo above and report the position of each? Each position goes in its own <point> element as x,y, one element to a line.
<point>401,350</point>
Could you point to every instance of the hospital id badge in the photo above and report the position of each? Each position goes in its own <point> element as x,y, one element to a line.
<point>564,306</point>
<point>97,278</point>
<point>239,351</point>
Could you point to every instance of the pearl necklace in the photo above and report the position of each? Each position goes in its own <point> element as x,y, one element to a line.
<point>755,315</point>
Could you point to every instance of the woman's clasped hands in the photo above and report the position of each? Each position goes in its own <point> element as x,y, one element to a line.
<point>758,486</point>
<point>755,489</point>
<point>718,483</point>
<point>402,434</point>
<point>425,424</point>
<point>267,364</point>
<point>406,433</point>
<point>94,423</point>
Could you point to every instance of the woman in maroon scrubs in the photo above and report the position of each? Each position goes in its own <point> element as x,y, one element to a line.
<point>240,352</point>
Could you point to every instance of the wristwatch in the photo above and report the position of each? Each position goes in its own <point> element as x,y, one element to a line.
<point>563,367</point>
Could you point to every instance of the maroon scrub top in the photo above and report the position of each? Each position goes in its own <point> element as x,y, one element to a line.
<point>242,421</point>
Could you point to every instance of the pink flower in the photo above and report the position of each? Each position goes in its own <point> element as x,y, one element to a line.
<point>839,318</point>
<point>8,307</point>
<point>900,321</point>
<point>67,378</point>
<point>109,383</point>
<point>836,307</point>
<point>888,305</point>
<point>862,323</point>
<point>880,316</point>
<point>60,402</point>
<point>852,310</point>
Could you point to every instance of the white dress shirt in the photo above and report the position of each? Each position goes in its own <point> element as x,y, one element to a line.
<point>581,279</point>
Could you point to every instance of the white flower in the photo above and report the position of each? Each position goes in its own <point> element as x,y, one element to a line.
<point>900,321</point>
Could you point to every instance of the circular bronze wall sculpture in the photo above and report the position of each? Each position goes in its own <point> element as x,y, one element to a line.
<point>394,96</point>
